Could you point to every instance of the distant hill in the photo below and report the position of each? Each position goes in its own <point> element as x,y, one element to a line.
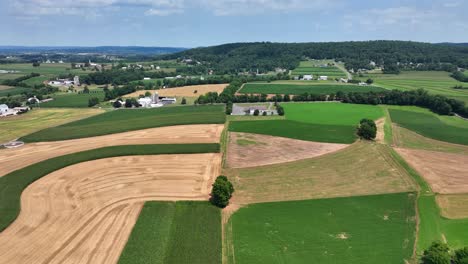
<point>454,44</point>
<point>266,56</point>
<point>109,50</point>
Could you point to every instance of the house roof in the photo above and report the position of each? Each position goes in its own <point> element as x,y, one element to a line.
<point>3,106</point>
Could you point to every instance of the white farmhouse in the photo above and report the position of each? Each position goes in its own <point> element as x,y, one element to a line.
<point>308,77</point>
<point>3,109</point>
<point>323,78</point>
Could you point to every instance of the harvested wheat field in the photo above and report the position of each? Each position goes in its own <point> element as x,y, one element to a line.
<point>250,150</point>
<point>84,213</point>
<point>446,173</point>
<point>14,159</point>
<point>187,91</point>
<point>453,206</point>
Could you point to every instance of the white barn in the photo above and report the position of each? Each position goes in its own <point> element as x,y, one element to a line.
<point>308,77</point>
<point>3,109</point>
<point>323,78</point>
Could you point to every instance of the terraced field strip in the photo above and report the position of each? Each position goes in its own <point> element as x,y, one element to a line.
<point>17,126</point>
<point>125,120</point>
<point>175,232</point>
<point>311,88</point>
<point>14,159</point>
<point>368,229</point>
<point>84,213</point>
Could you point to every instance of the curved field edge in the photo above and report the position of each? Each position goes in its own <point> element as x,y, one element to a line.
<point>175,232</point>
<point>297,89</point>
<point>125,120</point>
<point>360,229</point>
<point>13,184</point>
<point>429,126</point>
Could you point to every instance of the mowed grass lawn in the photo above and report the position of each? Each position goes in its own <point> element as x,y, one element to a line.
<point>443,128</point>
<point>73,100</point>
<point>13,184</point>
<point>321,122</point>
<point>175,232</point>
<point>436,82</point>
<point>131,119</point>
<point>369,229</point>
<point>17,126</point>
<point>312,88</point>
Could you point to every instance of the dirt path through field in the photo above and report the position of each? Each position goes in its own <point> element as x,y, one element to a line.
<point>14,159</point>
<point>84,213</point>
<point>446,173</point>
<point>251,150</point>
<point>380,137</point>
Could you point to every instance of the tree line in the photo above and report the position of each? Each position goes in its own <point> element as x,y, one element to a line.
<point>20,80</point>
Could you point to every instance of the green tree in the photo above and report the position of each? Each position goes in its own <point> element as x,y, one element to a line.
<point>128,103</point>
<point>286,98</point>
<point>280,110</point>
<point>36,64</point>
<point>437,253</point>
<point>256,112</point>
<point>93,101</point>
<point>147,94</point>
<point>461,256</point>
<point>264,113</point>
<point>222,192</point>
<point>367,129</point>
<point>117,104</point>
<point>370,81</point>
<point>86,90</point>
<point>184,101</point>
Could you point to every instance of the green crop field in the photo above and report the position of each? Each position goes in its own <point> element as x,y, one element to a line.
<point>175,232</point>
<point>449,129</point>
<point>369,229</point>
<point>312,88</point>
<point>73,100</point>
<point>131,119</point>
<point>317,68</point>
<point>433,81</point>
<point>36,80</point>
<point>13,184</point>
<point>13,91</point>
<point>45,69</point>
<point>322,122</point>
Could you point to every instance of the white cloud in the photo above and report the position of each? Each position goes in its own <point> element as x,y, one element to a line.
<point>163,12</point>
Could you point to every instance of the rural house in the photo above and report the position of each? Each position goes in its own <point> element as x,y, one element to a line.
<point>3,109</point>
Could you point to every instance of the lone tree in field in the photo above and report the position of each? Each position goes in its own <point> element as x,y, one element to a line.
<point>184,101</point>
<point>437,253</point>
<point>222,192</point>
<point>367,129</point>
<point>93,101</point>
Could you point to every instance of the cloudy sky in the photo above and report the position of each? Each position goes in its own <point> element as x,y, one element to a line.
<point>193,23</point>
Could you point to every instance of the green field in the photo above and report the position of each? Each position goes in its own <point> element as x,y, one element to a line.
<point>35,80</point>
<point>316,68</point>
<point>317,88</point>
<point>436,82</point>
<point>322,122</point>
<point>453,130</point>
<point>13,91</point>
<point>12,184</point>
<point>17,126</point>
<point>175,232</point>
<point>73,100</point>
<point>131,119</point>
<point>369,229</point>
<point>44,69</point>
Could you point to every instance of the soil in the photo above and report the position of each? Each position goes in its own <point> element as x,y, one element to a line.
<point>84,213</point>
<point>446,173</point>
<point>187,91</point>
<point>251,150</point>
<point>380,137</point>
<point>14,159</point>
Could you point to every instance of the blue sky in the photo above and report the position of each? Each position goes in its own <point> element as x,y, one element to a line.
<point>184,23</point>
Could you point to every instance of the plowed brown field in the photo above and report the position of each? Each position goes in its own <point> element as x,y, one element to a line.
<point>14,159</point>
<point>84,213</point>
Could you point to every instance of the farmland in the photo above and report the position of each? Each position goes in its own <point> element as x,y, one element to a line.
<point>11,91</point>
<point>436,82</point>
<point>73,100</point>
<point>336,123</point>
<point>453,130</point>
<point>318,68</point>
<point>44,69</point>
<point>37,119</point>
<point>181,232</point>
<point>129,120</point>
<point>312,88</point>
<point>370,229</point>
<point>348,172</point>
<point>185,91</point>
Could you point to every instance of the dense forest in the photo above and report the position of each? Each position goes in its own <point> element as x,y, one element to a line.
<point>266,56</point>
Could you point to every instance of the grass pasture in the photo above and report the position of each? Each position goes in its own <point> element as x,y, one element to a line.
<point>13,184</point>
<point>369,229</point>
<point>11,91</point>
<point>44,69</point>
<point>175,232</point>
<point>449,129</point>
<point>17,126</point>
<point>124,120</point>
<point>316,68</point>
<point>73,100</point>
<point>312,88</point>
<point>321,122</point>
